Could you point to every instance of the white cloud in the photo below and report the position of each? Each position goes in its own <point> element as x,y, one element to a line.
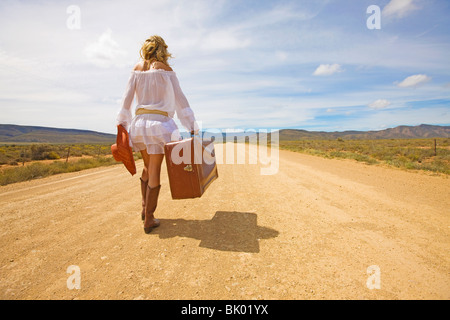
<point>105,52</point>
<point>327,69</point>
<point>414,81</point>
<point>399,8</point>
<point>379,104</point>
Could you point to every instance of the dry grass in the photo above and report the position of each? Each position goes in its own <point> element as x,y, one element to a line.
<point>40,169</point>
<point>22,162</point>
<point>418,154</point>
<point>14,154</point>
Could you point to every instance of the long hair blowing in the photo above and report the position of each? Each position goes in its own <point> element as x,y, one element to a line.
<point>154,48</point>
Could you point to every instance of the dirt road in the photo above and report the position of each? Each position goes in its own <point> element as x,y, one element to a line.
<point>311,231</point>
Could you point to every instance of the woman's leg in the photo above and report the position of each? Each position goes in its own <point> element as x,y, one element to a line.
<point>144,180</point>
<point>154,169</point>
<point>146,158</point>
<point>154,185</point>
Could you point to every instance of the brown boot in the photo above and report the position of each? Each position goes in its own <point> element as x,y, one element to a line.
<point>151,201</point>
<point>143,192</point>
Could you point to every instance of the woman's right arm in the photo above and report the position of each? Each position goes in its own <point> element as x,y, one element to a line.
<point>124,116</point>
<point>182,107</point>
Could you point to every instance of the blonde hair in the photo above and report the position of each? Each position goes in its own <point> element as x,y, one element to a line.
<point>154,48</point>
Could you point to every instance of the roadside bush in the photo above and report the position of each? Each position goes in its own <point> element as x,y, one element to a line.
<point>417,154</point>
<point>52,155</point>
<point>39,170</point>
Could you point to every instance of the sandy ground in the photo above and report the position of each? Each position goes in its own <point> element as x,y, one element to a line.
<point>311,231</point>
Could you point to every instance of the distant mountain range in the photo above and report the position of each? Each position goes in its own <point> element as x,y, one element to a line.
<point>10,133</point>
<point>400,132</point>
<point>29,134</point>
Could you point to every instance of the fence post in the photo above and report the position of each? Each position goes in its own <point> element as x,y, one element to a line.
<point>68,153</point>
<point>434,147</point>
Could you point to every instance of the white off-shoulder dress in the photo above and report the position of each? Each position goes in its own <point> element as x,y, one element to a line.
<point>155,89</point>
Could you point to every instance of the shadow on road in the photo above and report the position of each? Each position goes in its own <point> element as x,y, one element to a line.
<point>226,231</point>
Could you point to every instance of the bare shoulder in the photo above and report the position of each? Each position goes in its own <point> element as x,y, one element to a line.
<point>161,65</point>
<point>139,66</point>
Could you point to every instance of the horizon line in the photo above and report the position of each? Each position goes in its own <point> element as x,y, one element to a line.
<point>240,130</point>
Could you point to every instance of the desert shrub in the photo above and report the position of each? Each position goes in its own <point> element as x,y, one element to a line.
<point>52,155</point>
<point>39,152</point>
<point>32,152</point>
<point>417,154</point>
<point>39,170</point>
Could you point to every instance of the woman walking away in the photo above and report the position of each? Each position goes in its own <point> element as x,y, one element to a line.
<point>158,97</point>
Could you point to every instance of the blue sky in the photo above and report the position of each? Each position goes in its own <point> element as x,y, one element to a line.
<point>242,64</point>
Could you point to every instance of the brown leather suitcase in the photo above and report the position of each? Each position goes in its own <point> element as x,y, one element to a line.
<point>191,166</point>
